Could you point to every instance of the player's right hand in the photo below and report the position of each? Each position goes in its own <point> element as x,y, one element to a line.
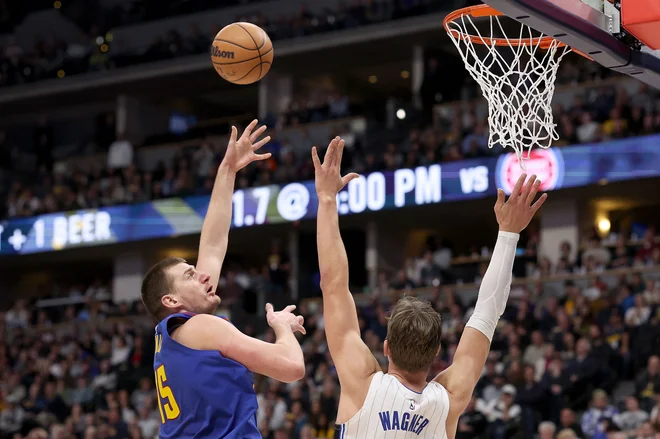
<point>241,151</point>
<point>516,213</point>
<point>285,318</point>
<point>328,179</point>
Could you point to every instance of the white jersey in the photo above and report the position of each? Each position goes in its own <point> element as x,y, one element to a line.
<point>393,411</point>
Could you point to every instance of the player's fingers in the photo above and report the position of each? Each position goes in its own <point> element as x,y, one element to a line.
<point>515,194</point>
<point>536,206</point>
<point>234,134</point>
<point>260,143</point>
<point>330,152</point>
<point>315,158</point>
<point>340,152</point>
<point>500,200</point>
<point>336,156</point>
<point>348,177</point>
<point>254,136</point>
<point>265,156</point>
<point>302,329</point>
<point>301,320</point>
<point>269,308</point>
<point>290,308</point>
<point>533,191</point>
<point>528,187</point>
<point>249,128</point>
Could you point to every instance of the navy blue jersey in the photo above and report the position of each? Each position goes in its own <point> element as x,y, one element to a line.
<point>201,394</point>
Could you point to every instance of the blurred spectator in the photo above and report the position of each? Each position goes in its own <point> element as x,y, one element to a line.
<point>92,383</point>
<point>472,424</point>
<point>599,410</point>
<point>547,430</point>
<point>120,154</point>
<point>632,419</point>
<point>47,58</point>
<point>191,170</point>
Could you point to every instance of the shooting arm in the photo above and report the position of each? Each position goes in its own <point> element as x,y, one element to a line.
<point>282,360</point>
<point>215,230</point>
<point>353,359</point>
<point>461,377</point>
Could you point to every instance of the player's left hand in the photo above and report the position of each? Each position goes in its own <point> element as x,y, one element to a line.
<point>241,150</point>
<point>285,317</point>
<point>516,213</point>
<point>328,179</point>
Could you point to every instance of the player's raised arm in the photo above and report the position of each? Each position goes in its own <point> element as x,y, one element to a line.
<point>470,357</point>
<point>353,359</point>
<point>215,230</point>
<point>282,360</point>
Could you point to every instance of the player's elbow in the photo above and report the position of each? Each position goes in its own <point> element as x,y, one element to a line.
<point>298,371</point>
<point>333,282</point>
<point>295,371</point>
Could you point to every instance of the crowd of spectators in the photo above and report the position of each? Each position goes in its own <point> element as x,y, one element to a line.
<point>109,15</point>
<point>558,358</point>
<point>602,113</point>
<point>578,358</point>
<point>50,56</point>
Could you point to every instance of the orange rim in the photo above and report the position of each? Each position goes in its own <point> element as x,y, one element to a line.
<point>488,11</point>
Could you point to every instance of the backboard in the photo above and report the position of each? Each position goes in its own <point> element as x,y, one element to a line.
<point>595,28</point>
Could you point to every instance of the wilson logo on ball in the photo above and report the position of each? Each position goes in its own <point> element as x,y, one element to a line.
<point>547,164</point>
<point>239,60</point>
<point>222,53</point>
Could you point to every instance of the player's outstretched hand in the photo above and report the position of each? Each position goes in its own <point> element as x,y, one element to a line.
<point>328,179</point>
<point>285,317</point>
<point>241,150</point>
<point>514,214</point>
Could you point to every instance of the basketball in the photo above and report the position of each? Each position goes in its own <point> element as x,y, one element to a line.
<point>242,53</point>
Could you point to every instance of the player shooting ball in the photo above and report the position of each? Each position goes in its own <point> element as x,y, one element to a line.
<point>203,365</point>
<point>401,404</point>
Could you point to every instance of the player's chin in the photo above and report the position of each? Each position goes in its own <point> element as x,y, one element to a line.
<point>211,305</point>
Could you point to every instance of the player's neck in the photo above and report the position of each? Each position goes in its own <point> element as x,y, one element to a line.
<point>413,380</point>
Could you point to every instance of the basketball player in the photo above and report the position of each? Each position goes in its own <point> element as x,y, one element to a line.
<point>401,404</point>
<point>203,365</point>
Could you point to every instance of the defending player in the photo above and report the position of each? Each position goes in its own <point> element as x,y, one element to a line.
<point>401,404</point>
<point>203,365</point>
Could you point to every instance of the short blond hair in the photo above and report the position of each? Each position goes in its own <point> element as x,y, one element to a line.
<point>566,433</point>
<point>414,331</point>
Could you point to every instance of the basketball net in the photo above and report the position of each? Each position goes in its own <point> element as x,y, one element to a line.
<point>517,78</point>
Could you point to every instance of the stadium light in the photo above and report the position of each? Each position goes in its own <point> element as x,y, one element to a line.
<point>604,226</point>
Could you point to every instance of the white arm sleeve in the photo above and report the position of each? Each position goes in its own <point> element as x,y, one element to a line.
<point>495,286</point>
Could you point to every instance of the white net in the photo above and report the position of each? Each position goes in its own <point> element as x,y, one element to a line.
<point>516,78</point>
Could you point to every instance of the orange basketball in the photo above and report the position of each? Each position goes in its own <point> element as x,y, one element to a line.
<point>242,53</point>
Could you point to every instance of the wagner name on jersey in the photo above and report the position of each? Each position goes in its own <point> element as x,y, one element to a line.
<point>391,410</point>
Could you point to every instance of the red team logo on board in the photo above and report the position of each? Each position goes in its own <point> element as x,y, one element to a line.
<point>547,164</point>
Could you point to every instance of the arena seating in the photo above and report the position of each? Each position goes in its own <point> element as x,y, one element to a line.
<point>576,355</point>
<point>21,65</point>
<point>611,112</point>
<point>579,341</point>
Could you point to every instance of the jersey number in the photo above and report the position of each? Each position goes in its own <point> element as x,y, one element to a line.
<point>169,409</point>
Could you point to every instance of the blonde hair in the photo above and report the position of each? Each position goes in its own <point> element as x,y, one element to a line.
<point>566,433</point>
<point>414,330</point>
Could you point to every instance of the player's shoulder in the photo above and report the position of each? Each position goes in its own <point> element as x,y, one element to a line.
<point>205,322</point>
<point>204,331</point>
<point>437,384</point>
<point>439,390</point>
<point>379,377</point>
